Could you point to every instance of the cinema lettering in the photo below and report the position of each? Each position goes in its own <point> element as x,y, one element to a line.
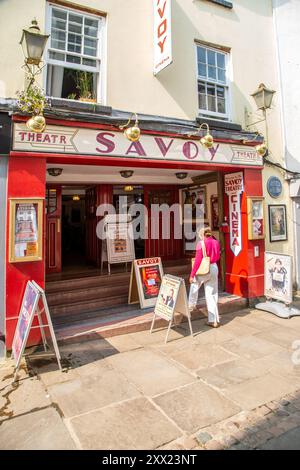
<point>234,186</point>
<point>83,141</point>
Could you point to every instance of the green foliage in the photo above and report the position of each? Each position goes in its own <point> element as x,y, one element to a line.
<point>32,101</point>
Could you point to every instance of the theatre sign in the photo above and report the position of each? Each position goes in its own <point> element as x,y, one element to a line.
<point>82,141</point>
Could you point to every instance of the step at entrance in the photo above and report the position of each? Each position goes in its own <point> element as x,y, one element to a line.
<point>71,297</point>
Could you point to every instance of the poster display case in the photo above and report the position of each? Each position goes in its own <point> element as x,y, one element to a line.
<point>26,230</point>
<point>256,218</point>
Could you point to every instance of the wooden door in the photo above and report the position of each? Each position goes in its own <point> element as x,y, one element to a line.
<point>91,241</point>
<point>53,229</point>
<point>94,196</point>
<point>165,247</point>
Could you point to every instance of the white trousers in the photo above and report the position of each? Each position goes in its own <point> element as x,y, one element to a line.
<point>210,282</point>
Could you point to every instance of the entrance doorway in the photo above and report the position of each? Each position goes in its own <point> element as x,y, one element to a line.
<point>124,197</point>
<point>73,228</point>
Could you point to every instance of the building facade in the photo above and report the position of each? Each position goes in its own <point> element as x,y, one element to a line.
<point>103,52</point>
<point>286,17</point>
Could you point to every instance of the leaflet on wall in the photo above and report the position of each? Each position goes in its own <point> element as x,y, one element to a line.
<point>278,277</point>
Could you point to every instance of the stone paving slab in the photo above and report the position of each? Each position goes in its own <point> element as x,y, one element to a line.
<point>281,336</point>
<point>196,356</point>
<point>256,392</point>
<point>195,406</point>
<point>230,373</point>
<point>134,424</point>
<point>39,430</point>
<point>281,364</point>
<point>22,397</point>
<point>251,347</point>
<point>150,372</point>
<point>90,392</point>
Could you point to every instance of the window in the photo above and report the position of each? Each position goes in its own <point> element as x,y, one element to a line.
<point>212,82</point>
<point>74,54</point>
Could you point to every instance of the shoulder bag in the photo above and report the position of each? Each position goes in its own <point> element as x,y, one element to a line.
<point>205,263</point>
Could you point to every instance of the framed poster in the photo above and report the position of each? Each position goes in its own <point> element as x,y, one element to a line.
<point>256,222</point>
<point>145,281</point>
<point>277,222</point>
<point>214,207</point>
<point>28,307</point>
<point>194,196</point>
<point>26,230</point>
<point>278,277</point>
<point>120,242</point>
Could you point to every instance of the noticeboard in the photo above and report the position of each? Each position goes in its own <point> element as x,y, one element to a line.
<point>145,281</point>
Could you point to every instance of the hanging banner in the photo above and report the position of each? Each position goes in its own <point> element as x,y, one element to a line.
<point>162,36</point>
<point>234,186</point>
<point>145,281</point>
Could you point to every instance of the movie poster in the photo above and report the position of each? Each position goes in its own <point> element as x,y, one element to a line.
<point>151,281</point>
<point>167,297</point>
<point>26,230</point>
<point>278,277</point>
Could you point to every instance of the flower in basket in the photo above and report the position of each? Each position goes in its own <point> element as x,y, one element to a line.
<point>33,101</point>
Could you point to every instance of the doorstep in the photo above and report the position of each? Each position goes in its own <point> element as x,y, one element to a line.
<point>125,319</point>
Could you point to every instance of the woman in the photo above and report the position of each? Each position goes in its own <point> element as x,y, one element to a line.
<point>210,280</point>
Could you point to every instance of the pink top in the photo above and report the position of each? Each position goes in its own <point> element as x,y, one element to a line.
<point>213,250</point>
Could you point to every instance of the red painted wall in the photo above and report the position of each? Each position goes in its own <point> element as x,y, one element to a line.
<point>26,179</point>
<point>245,273</point>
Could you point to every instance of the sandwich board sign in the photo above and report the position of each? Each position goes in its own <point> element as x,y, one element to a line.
<point>34,298</point>
<point>118,242</point>
<point>145,281</point>
<point>172,299</point>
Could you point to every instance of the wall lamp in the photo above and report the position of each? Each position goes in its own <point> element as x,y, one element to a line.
<point>181,176</point>
<point>126,173</point>
<point>263,97</point>
<point>207,140</point>
<point>54,171</point>
<point>261,149</point>
<point>132,133</point>
<point>32,100</point>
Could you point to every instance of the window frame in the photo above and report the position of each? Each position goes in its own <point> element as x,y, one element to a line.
<point>100,58</point>
<point>208,81</point>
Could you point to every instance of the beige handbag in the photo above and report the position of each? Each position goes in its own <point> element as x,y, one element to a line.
<point>204,267</point>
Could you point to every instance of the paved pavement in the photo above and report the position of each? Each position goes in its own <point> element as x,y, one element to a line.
<point>235,387</point>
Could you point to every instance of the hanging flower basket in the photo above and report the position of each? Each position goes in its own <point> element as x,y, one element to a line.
<point>33,101</point>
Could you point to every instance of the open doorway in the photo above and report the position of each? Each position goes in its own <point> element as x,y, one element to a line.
<point>123,198</point>
<point>73,228</point>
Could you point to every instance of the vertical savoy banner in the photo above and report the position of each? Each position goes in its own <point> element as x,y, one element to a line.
<point>162,35</point>
<point>234,186</point>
